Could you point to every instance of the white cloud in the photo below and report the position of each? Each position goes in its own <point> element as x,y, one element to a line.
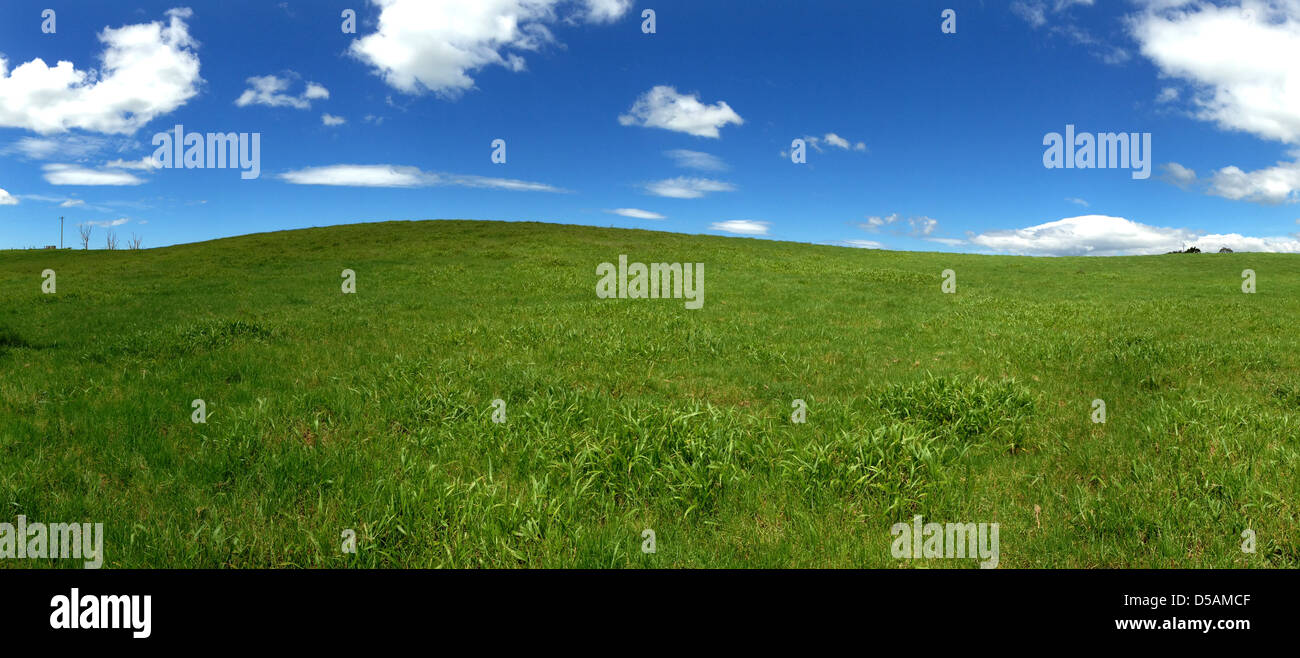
<point>875,223</point>
<point>740,227</point>
<point>1167,95</point>
<point>509,184</point>
<point>1077,201</point>
<point>384,175</point>
<point>146,70</point>
<point>435,46</point>
<point>1238,242</point>
<point>331,120</point>
<point>358,176</point>
<point>636,213</point>
<point>1034,13</point>
<point>1100,235</point>
<point>696,160</point>
<point>923,225</point>
<point>606,11</point>
<point>1257,88</point>
<point>66,174</point>
<point>64,202</point>
<point>1274,185</point>
<point>108,224</point>
<point>269,90</point>
<point>683,187</point>
<point>1089,235</point>
<point>864,244</point>
<point>829,139</point>
<point>7,199</point>
<point>917,226</point>
<point>1177,174</point>
<point>146,163</point>
<point>316,92</point>
<point>1256,91</point>
<point>951,242</point>
<point>1055,16</point>
<point>836,141</point>
<point>65,147</point>
<point>663,107</point>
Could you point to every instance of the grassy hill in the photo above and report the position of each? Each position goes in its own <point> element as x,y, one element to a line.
<point>373,411</point>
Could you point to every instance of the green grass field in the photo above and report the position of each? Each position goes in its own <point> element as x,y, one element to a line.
<point>373,411</point>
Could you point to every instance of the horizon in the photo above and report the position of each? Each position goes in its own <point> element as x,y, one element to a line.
<point>69,247</point>
<point>1035,128</point>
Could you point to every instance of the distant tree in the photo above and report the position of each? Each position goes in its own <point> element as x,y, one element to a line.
<point>135,242</point>
<point>84,230</point>
<point>1224,250</point>
<point>110,243</point>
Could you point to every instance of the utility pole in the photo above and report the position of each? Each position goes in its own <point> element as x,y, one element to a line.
<point>60,233</point>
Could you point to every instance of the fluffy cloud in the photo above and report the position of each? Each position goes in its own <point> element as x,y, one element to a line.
<point>1100,235</point>
<point>841,143</point>
<point>1238,242</point>
<point>696,160</point>
<point>606,11</point>
<point>635,213</point>
<point>1256,91</point>
<point>1178,175</point>
<point>435,46</point>
<point>269,90</point>
<point>7,199</point>
<point>1257,88</point>
<point>836,141</point>
<point>331,120</point>
<point>1089,235</point>
<point>146,70</point>
<point>663,107</point>
<point>683,187</point>
<point>740,227</point>
<point>1271,186</point>
<point>66,174</point>
<point>400,176</point>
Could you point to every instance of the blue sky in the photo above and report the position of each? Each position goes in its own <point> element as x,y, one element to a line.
<point>914,138</point>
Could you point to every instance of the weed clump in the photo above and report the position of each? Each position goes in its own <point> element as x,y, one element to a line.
<point>215,334</point>
<point>966,412</point>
